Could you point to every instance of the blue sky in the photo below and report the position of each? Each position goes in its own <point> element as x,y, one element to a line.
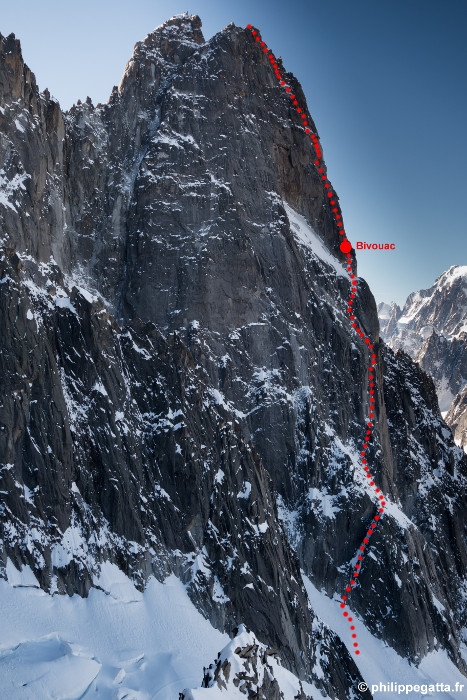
<point>385,82</point>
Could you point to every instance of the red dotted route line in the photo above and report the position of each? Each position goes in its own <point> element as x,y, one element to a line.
<point>345,247</point>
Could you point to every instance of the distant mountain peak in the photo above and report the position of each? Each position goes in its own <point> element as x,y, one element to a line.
<point>432,328</point>
<point>450,276</point>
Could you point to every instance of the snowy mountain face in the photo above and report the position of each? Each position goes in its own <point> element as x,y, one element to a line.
<point>183,397</point>
<point>432,328</point>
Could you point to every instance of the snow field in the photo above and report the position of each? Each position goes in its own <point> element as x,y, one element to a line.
<point>116,643</point>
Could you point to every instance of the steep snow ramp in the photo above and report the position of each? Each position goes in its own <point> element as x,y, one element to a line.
<point>307,237</point>
<point>384,665</point>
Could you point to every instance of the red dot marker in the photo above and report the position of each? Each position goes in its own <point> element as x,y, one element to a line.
<point>345,246</point>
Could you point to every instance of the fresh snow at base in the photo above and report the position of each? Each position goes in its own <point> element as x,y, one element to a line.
<point>116,643</point>
<point>378,662</point>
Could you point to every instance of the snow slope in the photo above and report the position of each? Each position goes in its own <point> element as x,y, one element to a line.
<point>379,663</point>
<point>117,643</point>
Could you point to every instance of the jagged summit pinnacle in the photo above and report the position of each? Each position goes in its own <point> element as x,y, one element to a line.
<point>17,81</point>
<point>170,43</point>
<point>184,20</point>
<point>179,28</point>
<point>9,43</point>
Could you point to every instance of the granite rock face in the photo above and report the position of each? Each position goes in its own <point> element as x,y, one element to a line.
<point>181,389</point>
